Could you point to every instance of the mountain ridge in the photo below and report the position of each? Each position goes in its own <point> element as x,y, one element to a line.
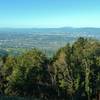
<point>61,29</point>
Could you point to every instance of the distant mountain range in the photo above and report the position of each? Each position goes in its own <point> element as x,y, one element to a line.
<point>49,30</point>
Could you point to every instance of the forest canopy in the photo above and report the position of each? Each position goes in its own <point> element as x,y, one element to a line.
<point>73,73</point>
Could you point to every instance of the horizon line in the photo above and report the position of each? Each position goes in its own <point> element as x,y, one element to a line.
<point>45,27</point>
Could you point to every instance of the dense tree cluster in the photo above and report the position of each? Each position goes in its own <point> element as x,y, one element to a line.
<point>73,73</point>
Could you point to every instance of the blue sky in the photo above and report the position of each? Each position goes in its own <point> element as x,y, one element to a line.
<point>49,13</point>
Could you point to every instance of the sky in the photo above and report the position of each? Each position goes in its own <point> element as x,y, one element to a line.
<point>49,13</point>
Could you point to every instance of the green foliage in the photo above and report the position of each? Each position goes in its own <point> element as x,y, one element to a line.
<point>73,73</point>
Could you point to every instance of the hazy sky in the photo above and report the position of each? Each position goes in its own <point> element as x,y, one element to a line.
<point>49,13</point>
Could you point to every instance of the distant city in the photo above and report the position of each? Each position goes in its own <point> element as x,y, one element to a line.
<point>48,39</point>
